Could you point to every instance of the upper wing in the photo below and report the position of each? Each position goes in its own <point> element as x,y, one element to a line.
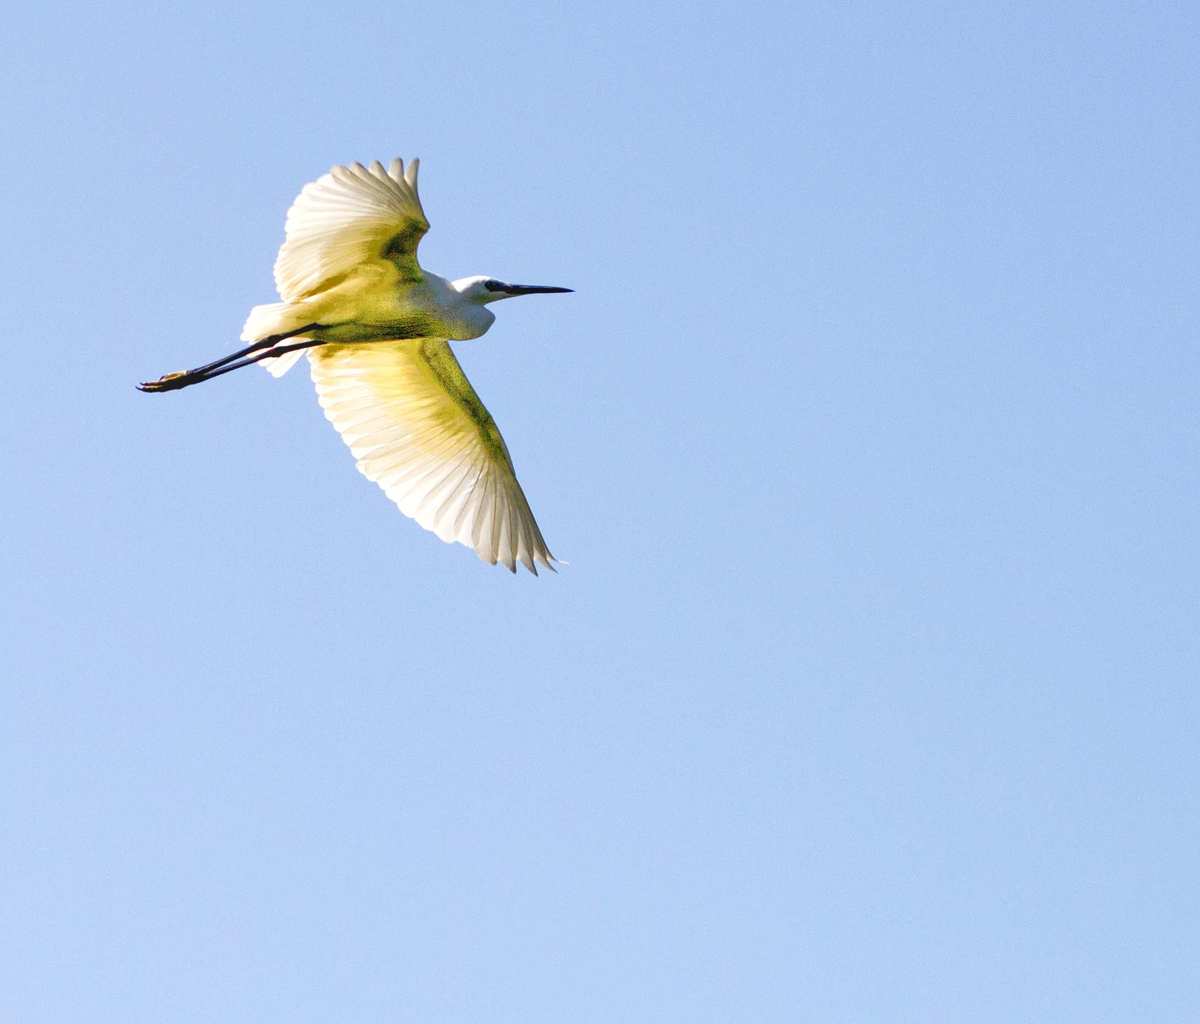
<point>350,216</point>
<point>419,430</point>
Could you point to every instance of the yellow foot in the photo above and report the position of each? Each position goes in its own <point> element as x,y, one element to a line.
<point>163,383</point>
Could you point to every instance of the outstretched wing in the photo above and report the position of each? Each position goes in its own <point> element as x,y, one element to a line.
<point>419,430</point>
<point>350,216</point>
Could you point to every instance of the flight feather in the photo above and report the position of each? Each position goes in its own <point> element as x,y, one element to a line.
<point>418,429</point>
<point>347,218</point>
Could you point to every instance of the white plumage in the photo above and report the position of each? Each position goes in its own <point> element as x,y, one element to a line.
<point>376,327</point>
<point>341,222</point>
<point>417,428</point>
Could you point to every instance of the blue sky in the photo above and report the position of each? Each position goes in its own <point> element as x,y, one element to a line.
<point>869,434</point>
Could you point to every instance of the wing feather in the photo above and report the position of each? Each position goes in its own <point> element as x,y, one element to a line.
<point>351,216</point>
<point>419,430</point>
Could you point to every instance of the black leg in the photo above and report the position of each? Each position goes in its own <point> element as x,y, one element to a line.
<point>274,339</point>
<point>175,381</point>
<point>250,360</point>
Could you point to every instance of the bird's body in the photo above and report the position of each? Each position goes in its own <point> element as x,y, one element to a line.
<point>374,303</point>
<point>376,326</point>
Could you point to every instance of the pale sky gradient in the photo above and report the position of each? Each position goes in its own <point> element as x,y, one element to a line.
<point>870,692</point>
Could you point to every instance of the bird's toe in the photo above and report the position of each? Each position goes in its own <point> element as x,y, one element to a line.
<point>163,383</point>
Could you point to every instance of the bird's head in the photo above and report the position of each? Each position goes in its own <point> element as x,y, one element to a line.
<point>483,290</point>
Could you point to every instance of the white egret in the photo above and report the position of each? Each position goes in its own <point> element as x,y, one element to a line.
<point>376,326</point>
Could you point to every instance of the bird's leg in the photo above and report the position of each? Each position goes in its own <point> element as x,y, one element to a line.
<point>267,342</point>
<point>183,380</point>
<point>258,357</point>
<point>175,381</point>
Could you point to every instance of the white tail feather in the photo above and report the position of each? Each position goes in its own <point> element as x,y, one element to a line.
<point>268,319</point>
<point>264,321</point>
<point>277,366</point>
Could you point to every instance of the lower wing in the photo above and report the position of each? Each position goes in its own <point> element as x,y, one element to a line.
<point>419,430</point>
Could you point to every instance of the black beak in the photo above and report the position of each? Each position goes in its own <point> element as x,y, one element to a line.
<point>533,289</point>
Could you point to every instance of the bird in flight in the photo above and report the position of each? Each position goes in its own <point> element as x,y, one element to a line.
<point>376,327</point>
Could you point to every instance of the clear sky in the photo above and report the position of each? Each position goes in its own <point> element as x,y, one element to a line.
<point>870,435</point>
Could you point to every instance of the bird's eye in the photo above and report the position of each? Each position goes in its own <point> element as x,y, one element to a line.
<point>492,285</point>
